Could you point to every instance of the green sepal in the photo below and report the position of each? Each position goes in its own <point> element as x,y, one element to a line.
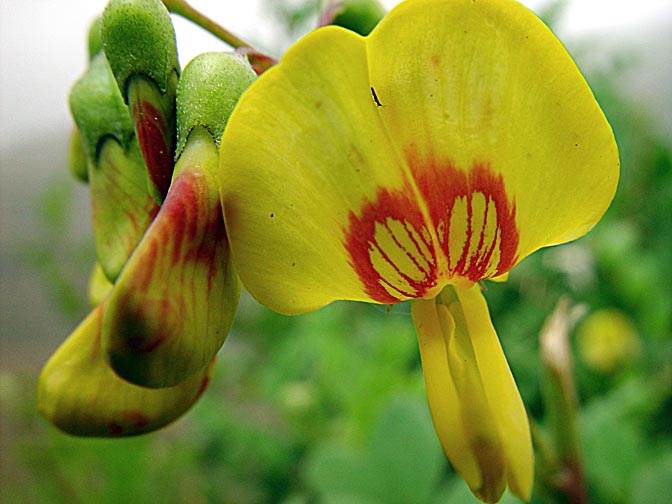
<point>207,93</point>
<point>98,108</point>
<point>139,39</point>
<point>360,16</point>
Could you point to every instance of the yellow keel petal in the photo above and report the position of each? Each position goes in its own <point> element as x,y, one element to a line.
<point>501,391</point>
<point>477,411</point>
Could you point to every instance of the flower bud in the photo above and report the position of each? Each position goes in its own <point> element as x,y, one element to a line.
<point>139,42</point>
<point>175,301</point>
<point>360,16</point>
<point>209,90</point>
<point>121,206</point>
<point>607,340</point>
<point>81,395</point>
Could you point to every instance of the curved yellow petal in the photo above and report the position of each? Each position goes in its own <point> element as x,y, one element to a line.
<point>303,147</point>
<point>174,302</point>
<point>467,85</point>
<point>477,410</point>
<point>81,395</point>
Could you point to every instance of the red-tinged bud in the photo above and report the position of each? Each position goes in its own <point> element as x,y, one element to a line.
<point>175,301</point>
<point>121,205</point>
<point>79,393</point>
<point>139,42</point>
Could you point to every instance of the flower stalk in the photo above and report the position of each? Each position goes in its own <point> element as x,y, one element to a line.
<point>259,61</point>
<point>560,398</point>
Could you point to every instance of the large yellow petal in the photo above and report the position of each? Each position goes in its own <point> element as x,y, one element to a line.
<point>484,85</point>
<point>81,395</point>
<point>303,148</point>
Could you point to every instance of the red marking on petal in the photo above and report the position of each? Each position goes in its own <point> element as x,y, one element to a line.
<point>470,232</point>
<point>398,206</point>
<point>152,136</point>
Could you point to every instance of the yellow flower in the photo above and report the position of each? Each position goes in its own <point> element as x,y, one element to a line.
<point>439,151</point>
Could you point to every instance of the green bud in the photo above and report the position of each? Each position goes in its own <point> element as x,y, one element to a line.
<point>360,16</point>
<point>207,93</point>
<point>139,39</point>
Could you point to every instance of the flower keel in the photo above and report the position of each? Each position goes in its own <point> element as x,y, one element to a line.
<point>477,410</point>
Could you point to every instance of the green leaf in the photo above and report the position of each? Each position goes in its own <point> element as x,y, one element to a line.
<point>405,448</point>
<point>653,482</point>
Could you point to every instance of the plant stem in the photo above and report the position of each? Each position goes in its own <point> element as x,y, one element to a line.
<point>560,400</point>
<point>182,8</point>
<point>260,62</point>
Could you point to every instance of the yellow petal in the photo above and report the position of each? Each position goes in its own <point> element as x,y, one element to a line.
<point>466,85</point>
<point>476,407</point>
<point>81,395</point>
<point>174,302</point>
<point>303,147</point>
<point>444,403</point>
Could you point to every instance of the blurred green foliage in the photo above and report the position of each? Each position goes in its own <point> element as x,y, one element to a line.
<point>329,407</point>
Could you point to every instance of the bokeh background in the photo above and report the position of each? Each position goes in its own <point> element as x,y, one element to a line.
<point>330,407</point>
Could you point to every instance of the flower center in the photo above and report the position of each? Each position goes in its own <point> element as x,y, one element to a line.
<point>454,227</point>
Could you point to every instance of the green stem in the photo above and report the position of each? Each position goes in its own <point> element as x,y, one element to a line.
<point>182,8</point>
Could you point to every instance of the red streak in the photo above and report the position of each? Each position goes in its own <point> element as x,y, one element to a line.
<point>157,153</point>
<point>439,185</point>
